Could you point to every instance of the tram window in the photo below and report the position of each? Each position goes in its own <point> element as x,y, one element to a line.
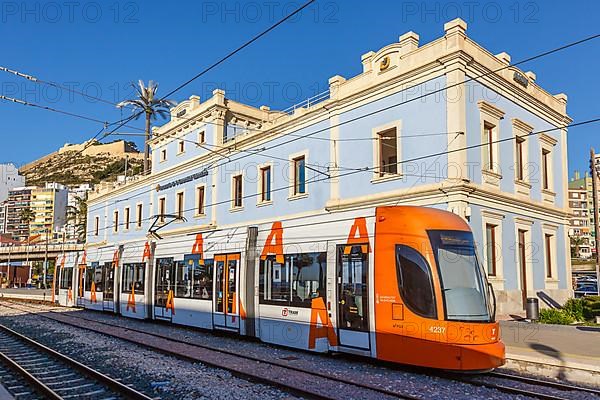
<point>414,280</point>
<point>133,276</point>
<point>93,273</point>
<point>274,281</point>
<point>461,276</point>
<point>66,278</point>
<point>89,276</point>
<point>301,278</point>
<point>193,280</point>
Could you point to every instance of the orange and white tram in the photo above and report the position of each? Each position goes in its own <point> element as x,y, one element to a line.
<point>398,283</point>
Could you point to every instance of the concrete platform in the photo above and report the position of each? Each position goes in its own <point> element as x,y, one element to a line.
<point>569,353</point>
<point>24,293</point>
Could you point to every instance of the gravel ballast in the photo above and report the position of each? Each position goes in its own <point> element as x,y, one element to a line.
<point>173,384</point>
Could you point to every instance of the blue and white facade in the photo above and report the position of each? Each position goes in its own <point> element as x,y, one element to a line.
<point>419,126</point>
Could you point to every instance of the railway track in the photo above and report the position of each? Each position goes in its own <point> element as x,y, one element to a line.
<point>52,375</point>
<point>16,385</point>
<point>310,384</point>
<point>500,381</point>
<point>535,388</point>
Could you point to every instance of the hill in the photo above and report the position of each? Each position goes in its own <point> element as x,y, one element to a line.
<point>73,168</point>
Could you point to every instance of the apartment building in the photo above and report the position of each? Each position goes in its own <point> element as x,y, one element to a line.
<point>581,221</point>
<point>9,179</point>
<point>49,206</point>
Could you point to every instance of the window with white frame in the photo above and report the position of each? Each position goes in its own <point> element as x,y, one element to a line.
<point>200,197</point>
<point>547,144</point>
<point>490,248</point>
<point>265,184</point>
<point>180,205</point>
<point>139,215</point>
<point>489,144</point>
<point>163,155</point>
<point>492,245</point>
<point>126,215</point>
<point>489,118</point>
<point>545,169</point>
<point>181,147</point>
<point>116,221</point>
<point>96,226</point>
<point>201,137</point>
<point>236,191</point>
<point>549,238</point>
<point>299,164</point>
<point>386,150</point>
<point>162,207</point>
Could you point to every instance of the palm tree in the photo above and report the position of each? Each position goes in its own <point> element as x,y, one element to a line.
<point>77,215</point>
<point>148,104</point>
<point>26,215</point>
<point>576,242</point>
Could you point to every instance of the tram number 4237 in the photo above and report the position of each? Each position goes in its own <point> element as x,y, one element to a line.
<point>440,330</point>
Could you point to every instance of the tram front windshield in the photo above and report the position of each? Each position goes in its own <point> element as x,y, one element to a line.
<point>463,284</point>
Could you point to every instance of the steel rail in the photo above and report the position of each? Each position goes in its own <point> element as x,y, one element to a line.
<point>105,380</point>
<point>304,392</point>
<point>542,382</point>
<point>473,381</point>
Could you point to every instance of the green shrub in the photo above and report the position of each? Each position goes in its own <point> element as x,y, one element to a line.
<point>554,316</point>
<point>574,308</point>
<point>591,307</point>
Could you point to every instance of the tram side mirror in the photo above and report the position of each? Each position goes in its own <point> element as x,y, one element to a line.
<point>491,288</point>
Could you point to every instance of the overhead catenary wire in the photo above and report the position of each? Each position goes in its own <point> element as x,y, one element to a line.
<point>207,69</point>
<point>39,81</point>
<point>370,169</point>
<point>238,49</point>
<point>56,110</point>
<point>392,106</point>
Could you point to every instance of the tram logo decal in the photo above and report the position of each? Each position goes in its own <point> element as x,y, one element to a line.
<point>115,259</point>
<point>93,294</point>
<point>170,305</point>
<point>198,248</point>
<point>131,299</point>
<point>274,243</point>
<point>360,227</point>
<point>147,252</point>
<point>287,312</point>
<point>320,316</point>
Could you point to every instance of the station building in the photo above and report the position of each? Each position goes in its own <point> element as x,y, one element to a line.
<point>446,124</point>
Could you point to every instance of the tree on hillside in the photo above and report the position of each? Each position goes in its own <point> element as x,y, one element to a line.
<point>77,216</point>
<point>27,215</point>
<point>151,106</point>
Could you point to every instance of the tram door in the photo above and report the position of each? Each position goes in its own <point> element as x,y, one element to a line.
<point>108,280</point>
<point>226,313</point>
<point>353,296</point>
<point>164,288</point>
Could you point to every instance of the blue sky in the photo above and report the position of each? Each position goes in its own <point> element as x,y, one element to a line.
<point>101,47</point>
